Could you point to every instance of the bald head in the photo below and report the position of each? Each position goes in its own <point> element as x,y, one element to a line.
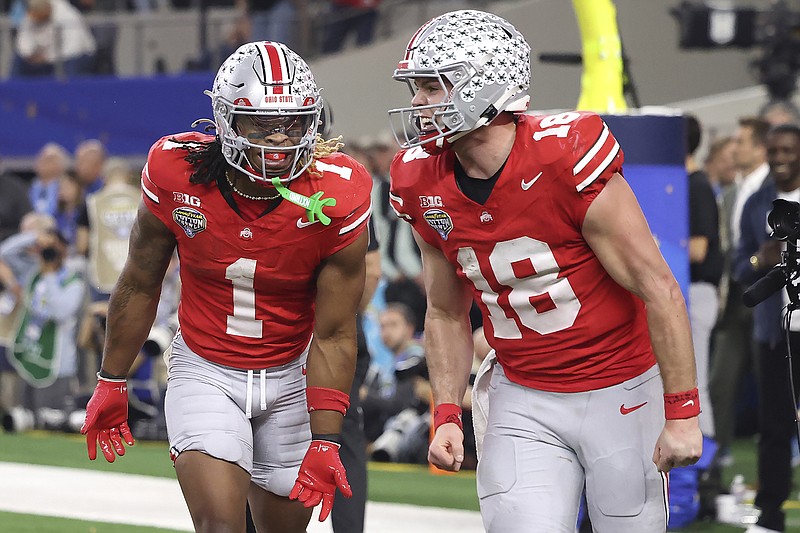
<point>39,10</point>
<point>90,156</point>
<point>52,162</point>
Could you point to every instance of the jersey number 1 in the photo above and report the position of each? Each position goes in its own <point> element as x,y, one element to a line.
<point>243,322</point>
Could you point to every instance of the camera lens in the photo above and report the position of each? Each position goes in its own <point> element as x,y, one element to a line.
<point>49,254</point>
<point>784,219</point>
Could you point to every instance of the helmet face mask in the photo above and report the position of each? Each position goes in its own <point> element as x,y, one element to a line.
<point>271,143</point>
<point>481,60</point>
<point>266,110</point>
<point>430,125</point>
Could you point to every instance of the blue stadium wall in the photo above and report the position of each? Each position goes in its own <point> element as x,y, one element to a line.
<point>655,150</point>
<point>127,115</point>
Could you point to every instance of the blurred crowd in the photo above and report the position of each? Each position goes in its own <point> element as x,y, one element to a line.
<point>64,242</point>
<point>73,38</point>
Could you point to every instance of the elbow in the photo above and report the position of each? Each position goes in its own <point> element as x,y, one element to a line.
<point>131,285</point>
<point>342,333</point>
<point>666,291</point>
<point>436,317</point>
<point>676,296</point>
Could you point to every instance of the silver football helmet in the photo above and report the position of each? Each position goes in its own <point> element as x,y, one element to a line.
<point>480,58</point>
<point>265,88</point>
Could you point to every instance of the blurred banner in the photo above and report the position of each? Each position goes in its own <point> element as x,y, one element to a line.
<point>127,115</point>
<point>654,166</point>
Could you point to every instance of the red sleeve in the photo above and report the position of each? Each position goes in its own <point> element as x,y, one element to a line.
<point>400,181</point>
<point>166,171</point>
<point>594,158</point>
<point>351,226</point>
<point>596,155</point>
<point>154,196</point>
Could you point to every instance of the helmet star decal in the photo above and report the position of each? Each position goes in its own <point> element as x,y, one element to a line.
<point>485,62</point>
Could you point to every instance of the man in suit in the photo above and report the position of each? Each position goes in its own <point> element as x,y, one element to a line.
<point>756,255</point>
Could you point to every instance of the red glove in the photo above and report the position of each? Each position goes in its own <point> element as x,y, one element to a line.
<point>320,473</point>
<point>107,419</point>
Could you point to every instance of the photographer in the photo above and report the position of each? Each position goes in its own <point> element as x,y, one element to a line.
<point>756,254</point>
<point>44,353</point>
<point>399,423</point>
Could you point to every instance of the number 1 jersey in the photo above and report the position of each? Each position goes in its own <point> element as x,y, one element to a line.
<point>555,317</point>
<point>248,287</point>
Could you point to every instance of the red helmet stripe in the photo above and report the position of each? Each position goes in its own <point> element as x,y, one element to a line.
<point>277,65</point>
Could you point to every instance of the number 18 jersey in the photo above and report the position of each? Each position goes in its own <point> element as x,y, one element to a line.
<point>248,286</point>
<point>555,317</point>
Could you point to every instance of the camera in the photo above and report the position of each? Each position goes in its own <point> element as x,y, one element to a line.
<point>158,340</point>
<point>710,25</point>
<point>404,440</point>
<point>49,254</point>
<point>784,219</point>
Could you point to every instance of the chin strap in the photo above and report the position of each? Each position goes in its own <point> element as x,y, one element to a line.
<point>313,204</point>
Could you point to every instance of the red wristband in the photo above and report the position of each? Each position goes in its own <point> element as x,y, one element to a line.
<point>447,413</point>
<point>325,399</point>
<point>681,405</point>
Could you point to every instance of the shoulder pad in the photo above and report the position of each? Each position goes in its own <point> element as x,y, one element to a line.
<point>580,143</point>
<point>166,166</point>
<point>344,179</point>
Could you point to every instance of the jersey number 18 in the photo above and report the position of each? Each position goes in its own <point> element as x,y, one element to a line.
<point>540,299</point>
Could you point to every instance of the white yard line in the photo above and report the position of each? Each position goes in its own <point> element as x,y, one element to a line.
<point>158,502</point>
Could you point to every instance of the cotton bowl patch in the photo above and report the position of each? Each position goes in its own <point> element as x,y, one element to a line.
<point>191,220</point>
<point>440,221</point>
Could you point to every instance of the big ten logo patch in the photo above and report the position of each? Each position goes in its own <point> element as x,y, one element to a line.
<point>430,201</point>
<point>183,198</point>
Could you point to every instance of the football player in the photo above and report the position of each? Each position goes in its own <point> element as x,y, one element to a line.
<point>531,217</point>
<point>269,223</point>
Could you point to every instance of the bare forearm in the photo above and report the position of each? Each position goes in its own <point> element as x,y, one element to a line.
<point>332,356</point>
<point>332,361</point>
<point>373,276</point>
<point>7,277</point>
<point>131,313</point>
<point>448,350</point>
<point>134,300</point>
<point>671,338</point>
<point>331,364</point>
<point>448,335</point>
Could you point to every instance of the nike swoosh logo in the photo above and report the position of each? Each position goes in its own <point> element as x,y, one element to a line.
<point>528,184</point>
<point>303,224</point>
<point>628,410</point>
<point>688,403</point>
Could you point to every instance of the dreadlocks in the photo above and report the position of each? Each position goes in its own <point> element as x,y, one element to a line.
<point>324,148</point>
<point>206,158</point>
<point>208,162</point>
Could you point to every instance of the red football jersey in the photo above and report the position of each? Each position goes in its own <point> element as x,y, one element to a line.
<point>248,287</point>
<point>557,320</point>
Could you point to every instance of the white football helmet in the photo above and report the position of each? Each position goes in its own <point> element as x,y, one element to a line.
<point>271,85</point>
<point>481,58</point>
